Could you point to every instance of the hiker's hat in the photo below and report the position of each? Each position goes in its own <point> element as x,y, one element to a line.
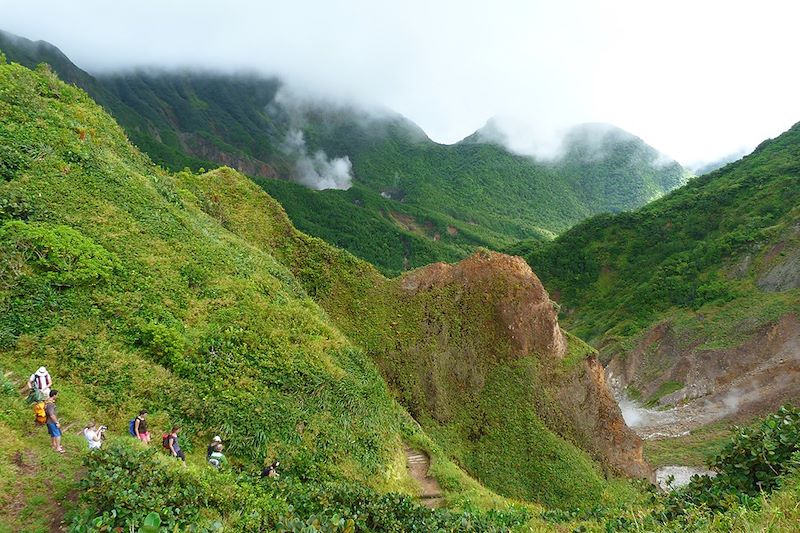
<point>217,438</point>
<point>42,371</point>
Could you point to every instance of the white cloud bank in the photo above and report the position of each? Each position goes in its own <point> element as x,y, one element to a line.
<point>697,80</point>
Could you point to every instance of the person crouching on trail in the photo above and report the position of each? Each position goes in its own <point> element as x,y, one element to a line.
<point>171,443</point>
<point>40,384</point>
<point>216,458</point>
<point>139,429</point>
<point>211,447</point>
<point>94,435</point>
<point>271,470</point>
<point>53,425</point>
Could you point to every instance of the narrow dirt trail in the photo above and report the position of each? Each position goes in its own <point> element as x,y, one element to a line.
<point>418,465</point>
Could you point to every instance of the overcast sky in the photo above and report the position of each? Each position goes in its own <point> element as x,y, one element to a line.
<point>696,79</point>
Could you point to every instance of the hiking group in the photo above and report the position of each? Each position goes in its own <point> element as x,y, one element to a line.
<point>43,397</point>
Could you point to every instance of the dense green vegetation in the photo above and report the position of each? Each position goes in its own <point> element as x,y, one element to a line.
<point>191,296</point>
<point>376,229</point>
<point>414,201</point>
<point>701,250</point>
<point>194,297</point>
<point>755,461</point>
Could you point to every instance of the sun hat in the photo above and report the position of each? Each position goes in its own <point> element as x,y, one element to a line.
<point>217,439</point>
<point>42,371</point>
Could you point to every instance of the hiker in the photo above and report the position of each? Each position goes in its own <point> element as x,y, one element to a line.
<point>53,425</point>
<point>138,427</point>
<point>216,458</point>
<point>170,442</point>
<point>94,435</point>
<point>39,385</point>
<point>216,440</point>
<point>271,470</point>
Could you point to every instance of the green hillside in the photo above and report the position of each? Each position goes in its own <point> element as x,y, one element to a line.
<point>724,248</point>
<point>193,296</point>
<point>419,200</point>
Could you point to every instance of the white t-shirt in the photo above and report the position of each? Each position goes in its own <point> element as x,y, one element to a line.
<point>93,438</point>
<point>41,382</point>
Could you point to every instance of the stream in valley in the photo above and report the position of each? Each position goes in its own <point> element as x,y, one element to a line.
<point>654,424</point>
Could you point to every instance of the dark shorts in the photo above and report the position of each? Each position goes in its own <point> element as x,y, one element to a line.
<point>180,455</point>
<point>52,428</point>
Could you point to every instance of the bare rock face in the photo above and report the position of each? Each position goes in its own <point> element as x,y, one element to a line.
<point>598,421</point>
<point>520,303</point>
<point>780,268</point>
<point>740,381</point>
<point>783,276</point>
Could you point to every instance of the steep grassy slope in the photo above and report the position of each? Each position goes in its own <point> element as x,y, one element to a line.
<point>116,279</point>
<point>708,274</point>
<point>418,199</point>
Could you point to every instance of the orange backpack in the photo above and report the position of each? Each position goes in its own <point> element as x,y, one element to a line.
<point>39,413</point>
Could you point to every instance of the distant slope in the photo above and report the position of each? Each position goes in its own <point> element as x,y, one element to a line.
<point>697,294</point>
<point>705,168</point>
<point>420,200</point>
<point>611,170</point>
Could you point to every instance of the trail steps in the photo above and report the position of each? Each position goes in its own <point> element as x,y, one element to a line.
<point>418,465</point>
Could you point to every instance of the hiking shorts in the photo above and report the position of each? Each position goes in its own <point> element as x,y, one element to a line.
<point>53,430</point>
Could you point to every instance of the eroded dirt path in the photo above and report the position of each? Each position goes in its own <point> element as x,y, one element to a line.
<point>418,465</point>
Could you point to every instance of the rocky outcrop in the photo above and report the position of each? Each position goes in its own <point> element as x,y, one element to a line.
<point>521,306</point>
<point>751,378</point>
<point>784,275</point>
<point>489,311</point>
<point>598,421</point>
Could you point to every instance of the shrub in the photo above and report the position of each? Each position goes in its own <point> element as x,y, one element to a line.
<point>63,255</point>
<point>754,462</point>
<point>125,483</point>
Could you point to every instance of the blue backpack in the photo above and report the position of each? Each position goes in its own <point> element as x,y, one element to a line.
<point>132,427</point>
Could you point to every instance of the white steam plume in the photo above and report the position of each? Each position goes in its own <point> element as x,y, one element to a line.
<point>317,171</point>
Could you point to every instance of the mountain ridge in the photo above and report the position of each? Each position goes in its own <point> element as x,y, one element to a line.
<point>694,297</point>
<point>415,195</point>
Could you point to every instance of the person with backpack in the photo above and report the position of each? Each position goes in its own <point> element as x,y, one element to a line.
<point>39,384</point>
<point>271,470</point>
<point>216,457</point>
<point>170,442</point>
<point>138,427</point>
<point>53,425</point>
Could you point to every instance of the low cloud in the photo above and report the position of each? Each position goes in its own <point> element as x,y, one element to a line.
<point>462,62</point>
